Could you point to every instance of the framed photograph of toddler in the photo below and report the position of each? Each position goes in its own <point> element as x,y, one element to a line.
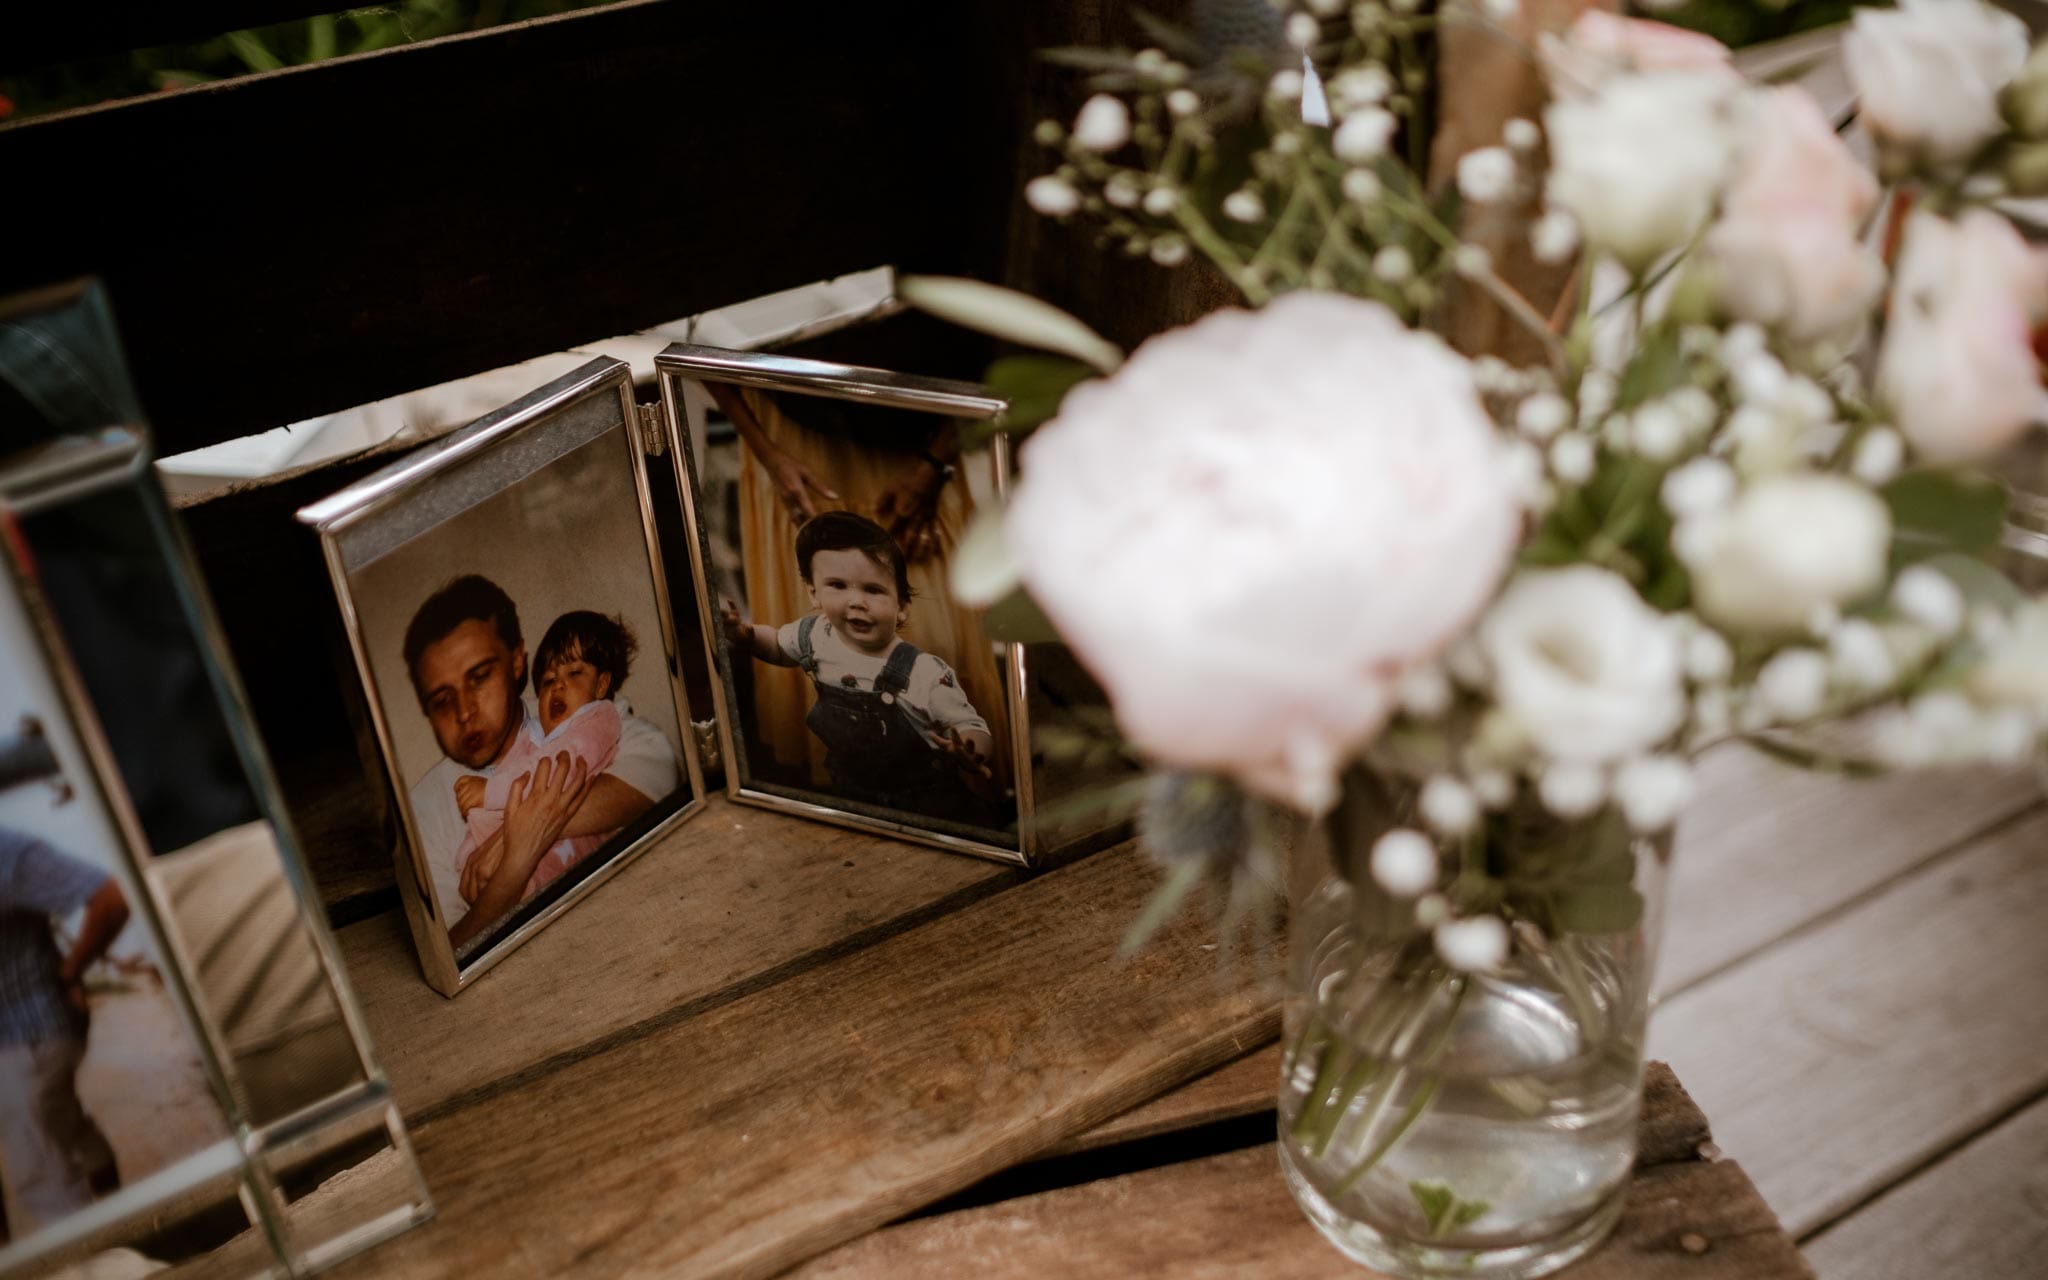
<point>828,501</point>
<point>509,613</point>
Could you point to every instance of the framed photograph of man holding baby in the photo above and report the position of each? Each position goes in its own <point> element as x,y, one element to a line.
<point>510,615</point>
<point>828,500</point>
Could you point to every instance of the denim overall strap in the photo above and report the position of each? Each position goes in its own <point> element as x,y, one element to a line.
<point>806,657</point>
<point>895,677</point>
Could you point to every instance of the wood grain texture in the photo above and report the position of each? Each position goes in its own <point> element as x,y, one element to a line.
<point>1844,1057</point>
<point>745,1139</point>
<point>1982,1213</point>
<point>1230,1215</point>
<point>1764,848</point>
<point>1244,1087</point>
<point>731,901</point>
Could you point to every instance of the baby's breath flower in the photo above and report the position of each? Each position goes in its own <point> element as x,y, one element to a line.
<point>1861,660</point>
<point>1701,486</point>
<point>1708,657</point>
<point>1571,458</point>
<point>1471,260</point>
<point>1879,455</point>
<point>1494,787</point>
<point>1448,805</point>
<point>1364,135</point>
<point>1183,102</point>
<point>1048,133</point>
<point>1161,201</point>
<point>1930,598</point>
<point>1652,790</point>
<point>1361,186</point>
<point>1501,10</point>
<point>1542,415</point>
<point>1169,250</point>
<point>1658,432</point>
<point>1285,86</point>
<point>1793,684</point>
<point>1360,87</point>
<point>1403,862</point>
<point>1554,236</point>
<point>1104,124</point>
<point>1054,197</point>
<point>1477,944</point>
<point>1303,31</point>
<point>1149,62</point>
<point>1486,174</point>
<point>1392,264</point>
<point>1426,692</point>
<point>1572,789</point>
<point>1244,205</point>
<point>1122,191</point>
<point>1521,135</point>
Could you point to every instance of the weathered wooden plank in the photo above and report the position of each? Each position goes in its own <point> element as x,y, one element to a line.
<point>1243,1087</point>
<point>733,899</point>
<point>1229,1215</point>
<point>1843,1057</point>
<point>754,1135</point>
<point>1982,1212</point>
<point>1764,848</point>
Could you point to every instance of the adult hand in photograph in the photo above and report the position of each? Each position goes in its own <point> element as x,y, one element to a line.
<point>536,813</point>
<point>909,507</point>
<point>482,865</point>
<point>794,483</point>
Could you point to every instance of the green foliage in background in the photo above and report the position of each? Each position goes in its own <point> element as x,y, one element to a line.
<point>236,53</point>
<point>1741,22</point>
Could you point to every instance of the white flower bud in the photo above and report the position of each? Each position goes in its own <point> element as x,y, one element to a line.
<point>1432,909</point>
<point>1597,389</point>
<point>1467,663</point>
<point>1169,250</point>
<point>1103,125</point>
<point>1695,407</point>
<point>1523,462</point>
<point>1759,379</point>
<point>1708,658</point>
<point>1521,135</point>
<point>1478,944</point>
<point>1742,341</point>
<point>1652,790</point>
<point>1161,201</point>
<point>1658,432</point>
<point>1698,488</point>
<point>1879,455</point>
<point>1426,692</point>
<point>1471,260</point>
<point>1793,685</point>
<point>1486,174</point>
<point>1364,135</point>
<point>1542,415</point>
<point>1862,661</point>
<point>1501,10</point>
<point>1494,787</point>
<point>1572,789</point>
<point>1554,236</point>
<point>1572,458</point>
<point>1183,103</point>
<point>1392,264</point>
<point>1930,598</point>
<point>1051,196</point>
<point>1404,862</point>
<point>1448,805</point>
<point>1122,191</point>
<point>1303,31</point>
<point>1244,205</point>
<point>1287,144</point>
<point>1361,87</point>
<point>1361,186</point>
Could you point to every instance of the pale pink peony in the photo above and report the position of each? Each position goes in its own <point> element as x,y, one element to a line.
<point>1256,526</point>
<point>1787,243</point>
<point>1927,74</point>
<point>1601,44</point>
<point>1958,369</point>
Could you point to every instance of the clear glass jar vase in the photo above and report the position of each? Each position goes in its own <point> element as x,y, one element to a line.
<point>1441,1123</point>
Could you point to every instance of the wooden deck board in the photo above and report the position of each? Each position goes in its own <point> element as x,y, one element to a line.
<point>731,900</point>
<point>1841,1059</point>
<point>747,1138</point>
<point>1982,1213</point>
<point>1230,1215</point>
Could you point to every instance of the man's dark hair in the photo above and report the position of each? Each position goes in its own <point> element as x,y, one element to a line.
<point>471,597</point>
<point>605,643</point>
<point>845,531</point>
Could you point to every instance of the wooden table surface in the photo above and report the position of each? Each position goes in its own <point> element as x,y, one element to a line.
<point>776,1046</point>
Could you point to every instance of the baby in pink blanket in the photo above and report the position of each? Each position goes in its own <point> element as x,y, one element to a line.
<point>578,668</point>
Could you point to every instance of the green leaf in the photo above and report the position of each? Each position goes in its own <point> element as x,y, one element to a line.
<point>1034,386</point>
<point>1599,908</point>
<point>983,570</point>
<point>320,37</point>
<point>1435,1201</point>
<point>1943,511</point>
<point>255,55</point>
<point>1658,367</point>
<point>1017,619</point>
<point>1006,313</point>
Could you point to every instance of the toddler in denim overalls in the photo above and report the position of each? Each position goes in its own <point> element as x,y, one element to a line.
<point>898,730</point>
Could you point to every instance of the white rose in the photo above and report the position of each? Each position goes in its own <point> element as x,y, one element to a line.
<point>1258,524</point>
<point>1788,545</point>
<point>1639,164</point>
<point>1599,45</point>
<point>1958,368</point>
<point>1787,247</point>
<point>1590,671</point>
<point>1927,74</point>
